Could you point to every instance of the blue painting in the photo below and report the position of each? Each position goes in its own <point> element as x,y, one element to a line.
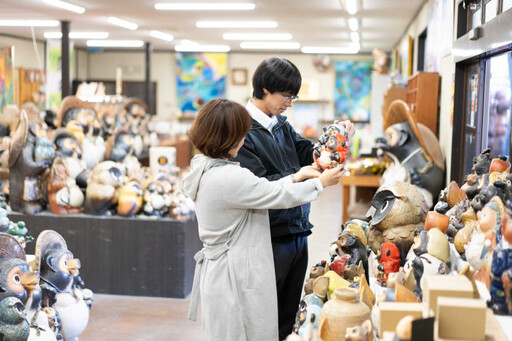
<point>200,77</point>
<point>352,90</point>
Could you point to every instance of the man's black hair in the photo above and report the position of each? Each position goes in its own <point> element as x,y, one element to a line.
<point>276,74</point>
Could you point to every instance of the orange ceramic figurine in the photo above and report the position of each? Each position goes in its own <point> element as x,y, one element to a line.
<point>389,261</point>
<point>332,147</point>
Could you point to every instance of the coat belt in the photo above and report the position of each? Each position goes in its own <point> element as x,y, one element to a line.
<point>210,252</point>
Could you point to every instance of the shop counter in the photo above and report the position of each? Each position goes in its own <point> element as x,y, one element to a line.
<point>125,256</point>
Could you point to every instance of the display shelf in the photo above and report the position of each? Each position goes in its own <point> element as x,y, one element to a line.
<point>126,256</point>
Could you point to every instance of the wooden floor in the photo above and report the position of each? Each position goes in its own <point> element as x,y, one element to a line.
<point>146,318</point>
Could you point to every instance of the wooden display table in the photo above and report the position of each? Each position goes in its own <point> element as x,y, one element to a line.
<point>125,256</point>
<point>358,181</point>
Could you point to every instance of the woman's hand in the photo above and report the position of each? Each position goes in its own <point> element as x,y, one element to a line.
<point>306,172</point>
<point>331,176</point>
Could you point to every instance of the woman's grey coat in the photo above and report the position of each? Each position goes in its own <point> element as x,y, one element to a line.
<point>235,269</point>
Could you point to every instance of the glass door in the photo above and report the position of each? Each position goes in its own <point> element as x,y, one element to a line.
<point>471,108</point>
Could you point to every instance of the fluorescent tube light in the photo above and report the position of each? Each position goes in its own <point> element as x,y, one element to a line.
<point>161,35</point>
<point>65,5</point>
<point>29,23</point>
<point>114,43</point>
<point>77,35</point>
<point>355,37</point>
<point>272,45</point>
<point>353,24</point>
<point>351,6</point>
<point>329,50</point>
<point>257,36</point>
<point>123,23</point>
<point>236,24</point>
<point>204,6</point>
<point>201,48</point>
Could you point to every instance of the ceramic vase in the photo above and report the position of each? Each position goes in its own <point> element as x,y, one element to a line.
<point>340,313</point>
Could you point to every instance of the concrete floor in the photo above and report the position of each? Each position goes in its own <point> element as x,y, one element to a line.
<point>116,317</point>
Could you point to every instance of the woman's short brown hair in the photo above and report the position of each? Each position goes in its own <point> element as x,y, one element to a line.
<point>219,126</point>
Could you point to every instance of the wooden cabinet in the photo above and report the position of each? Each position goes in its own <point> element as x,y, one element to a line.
<point>422,98</point>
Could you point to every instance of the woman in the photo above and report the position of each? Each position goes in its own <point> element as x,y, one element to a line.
<point>235,271</point>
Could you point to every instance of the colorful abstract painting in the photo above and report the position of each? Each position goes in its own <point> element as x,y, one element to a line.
<point>352,90</point>
<point>200,77</point>
<point>6,77</point>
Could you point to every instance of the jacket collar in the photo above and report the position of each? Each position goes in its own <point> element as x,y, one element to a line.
<point>280,120</point>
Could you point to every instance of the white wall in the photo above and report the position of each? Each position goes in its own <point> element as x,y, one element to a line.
<point>24,53</point>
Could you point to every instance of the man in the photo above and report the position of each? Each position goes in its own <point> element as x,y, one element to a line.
<point>272,149</point>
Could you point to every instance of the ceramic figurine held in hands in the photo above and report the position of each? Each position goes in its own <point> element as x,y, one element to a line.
<point>332,148</point>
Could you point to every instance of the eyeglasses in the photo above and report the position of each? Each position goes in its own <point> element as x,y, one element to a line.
<point>286,97</point>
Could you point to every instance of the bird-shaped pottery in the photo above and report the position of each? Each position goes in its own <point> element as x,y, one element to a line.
<point>61,283</point>
<point>13,323</point>
<point>398,211</point>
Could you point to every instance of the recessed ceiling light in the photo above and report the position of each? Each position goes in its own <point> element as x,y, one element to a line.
<point>204,6</point>
<point>29,23</point>
<point>123,23</point>
<point>77,35</point>
<point>354,36</point>
<point>257,36</point>
<point>351,6</point>
<point>271,45</point>
<point>114,43</point>
<point>330,50</point>
<point>353,24</point>
<point>236,24</point>
<point>161,35</point>
<point>201,48</point>
<point>65,5</point>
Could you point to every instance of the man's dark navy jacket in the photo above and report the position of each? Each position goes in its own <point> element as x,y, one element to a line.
<point>274,156</point>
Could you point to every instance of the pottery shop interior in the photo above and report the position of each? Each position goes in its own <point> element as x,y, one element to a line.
<point>255,170</point>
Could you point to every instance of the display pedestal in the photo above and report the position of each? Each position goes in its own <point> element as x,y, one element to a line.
<point>125,256</point>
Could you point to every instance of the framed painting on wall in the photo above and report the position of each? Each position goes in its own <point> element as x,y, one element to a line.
<point>352,90</point>
<point>239,76</point>
<point>200,77</point>
<point>6,76</point>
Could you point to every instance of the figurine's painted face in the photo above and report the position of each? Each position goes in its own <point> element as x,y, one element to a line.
<point>18,280</point>
<point>487,218</point>
<point>59,268</point>
<point>68,146</point>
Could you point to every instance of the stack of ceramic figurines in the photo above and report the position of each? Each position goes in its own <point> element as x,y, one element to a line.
<point>411,271</point>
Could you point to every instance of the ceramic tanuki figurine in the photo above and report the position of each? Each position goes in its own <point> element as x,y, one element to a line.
<point>121,148</point>
<point>398,211</point>
<point>24,170</point>
<point>61,283</point>
<point>332,147</point>
<point>13,323</point>
<point>64,195</point>
<point>130,199</point>
<point>103,187</point>
<point>316,271</point>
<point>389,261</point>
<point>501,270</point>
<point>68,148</point>
<point>415,151</point>
<point>308,314</point>
<point>341,313</point>
<point>352,241</point>
<point>157,195</point>
<point>19,282</point>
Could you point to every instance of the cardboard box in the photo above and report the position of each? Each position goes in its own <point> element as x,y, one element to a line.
<point>392,312</point>
<point>435,286</point>
<point>461,318</point>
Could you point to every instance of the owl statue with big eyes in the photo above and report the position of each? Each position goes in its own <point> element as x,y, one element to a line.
<point>332,148</point>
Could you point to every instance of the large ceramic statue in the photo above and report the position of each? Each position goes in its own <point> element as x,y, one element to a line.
<point>20,291</point>
<point>29,156</point>
<point>415,151</point>
<point>61,283</point>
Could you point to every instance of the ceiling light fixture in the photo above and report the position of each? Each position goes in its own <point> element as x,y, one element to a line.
<point>351,6</point>
<point>204,6</point>
<point>330,50</point>
<point>257,36</point>
<point>77,35</point>
<point>353,24</point>
<point>201,48</point>
<point>354,36</point>
<point>29,23</point>
<point>236,24</point>
<point>271,45</point>
<point>161,35</point>
<point>114,43</point>
<point>123,23</point>
<point>65,5</point>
